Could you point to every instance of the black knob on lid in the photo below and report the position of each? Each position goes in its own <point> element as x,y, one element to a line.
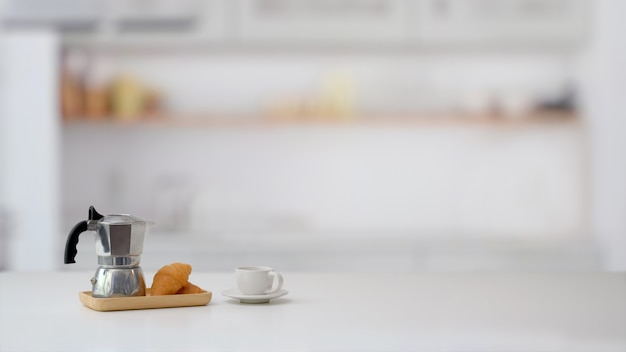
<point>93,214</point>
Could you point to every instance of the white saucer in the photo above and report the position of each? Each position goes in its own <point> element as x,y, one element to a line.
<point>234,293</point>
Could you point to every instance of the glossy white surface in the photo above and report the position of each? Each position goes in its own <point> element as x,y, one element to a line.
<point>331,312</point>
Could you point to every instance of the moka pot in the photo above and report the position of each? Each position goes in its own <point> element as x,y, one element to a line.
<point>119,244</point>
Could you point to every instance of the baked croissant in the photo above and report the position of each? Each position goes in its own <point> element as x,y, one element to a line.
<point>191,288</point>
<point>170,279</point>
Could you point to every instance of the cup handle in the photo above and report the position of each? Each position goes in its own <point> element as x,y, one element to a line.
<point>274,275</point>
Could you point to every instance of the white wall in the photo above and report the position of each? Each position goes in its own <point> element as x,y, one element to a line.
<point>467,181</point>
<point>605,105</point>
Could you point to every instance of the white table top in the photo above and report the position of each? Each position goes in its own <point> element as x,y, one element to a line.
<point>331,312</point>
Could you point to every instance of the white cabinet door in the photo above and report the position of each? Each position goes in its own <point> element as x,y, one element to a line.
<point>58,14</point>
<point>138,23</point>
<point>322,21</point>
<point>154,10</point>
<point>498,22</point>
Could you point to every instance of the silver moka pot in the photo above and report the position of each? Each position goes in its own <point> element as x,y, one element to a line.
<point>119,243</point>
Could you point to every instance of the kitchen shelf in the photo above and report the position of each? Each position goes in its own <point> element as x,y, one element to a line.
<point>544,118</point>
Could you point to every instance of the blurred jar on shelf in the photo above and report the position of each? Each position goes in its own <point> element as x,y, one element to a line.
<point>127,98</point>
<point>97,89</point>
<point>73,67</point>
<point>516,104</point>
<point>334,100</point>
<point>131,99</point>
<point>153,103</point>
<point>338,96</point>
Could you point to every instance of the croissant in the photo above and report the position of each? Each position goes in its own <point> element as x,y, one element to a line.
<point>170,279</point>
<point>191,288</point>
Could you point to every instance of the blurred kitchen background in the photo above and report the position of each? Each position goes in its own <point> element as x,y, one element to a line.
<point>318,135</point>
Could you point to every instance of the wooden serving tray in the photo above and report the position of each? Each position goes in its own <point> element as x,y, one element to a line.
<point>145,302</point>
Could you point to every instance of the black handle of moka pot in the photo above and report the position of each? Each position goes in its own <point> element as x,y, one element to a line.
<point>72,241</point>
<point>72,238</point>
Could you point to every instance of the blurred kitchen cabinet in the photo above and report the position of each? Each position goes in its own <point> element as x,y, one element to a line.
<point>498,22</point>
<point>139,23</point>
<point>168,20</point>
<point>303,22</point>
<point>154,10</point>
<point>62,15</point>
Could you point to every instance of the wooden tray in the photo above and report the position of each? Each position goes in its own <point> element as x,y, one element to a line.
<point>145,302</point>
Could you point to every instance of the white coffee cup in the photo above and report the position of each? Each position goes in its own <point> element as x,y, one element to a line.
<point>258,280</point>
